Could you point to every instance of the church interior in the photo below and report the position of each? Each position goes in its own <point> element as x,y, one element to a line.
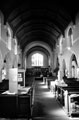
<point>39,60</point>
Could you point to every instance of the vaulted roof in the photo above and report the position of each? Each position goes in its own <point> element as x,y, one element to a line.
<point>38,20</point>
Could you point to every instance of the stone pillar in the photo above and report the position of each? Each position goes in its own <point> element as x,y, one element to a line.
<point>13,80</point>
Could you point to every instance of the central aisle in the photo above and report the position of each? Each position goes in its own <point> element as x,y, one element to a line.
<point>45,105</point>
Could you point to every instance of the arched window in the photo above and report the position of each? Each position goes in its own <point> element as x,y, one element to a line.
<point>37,59</point>
<point>61,44</point>
<point>74,66</point>
<point>70,38</point>
<point>9,36</point>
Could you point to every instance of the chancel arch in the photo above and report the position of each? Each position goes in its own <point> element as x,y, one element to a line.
<point>40,44</point>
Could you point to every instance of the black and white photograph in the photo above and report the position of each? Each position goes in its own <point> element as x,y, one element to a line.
<point>39,60</point>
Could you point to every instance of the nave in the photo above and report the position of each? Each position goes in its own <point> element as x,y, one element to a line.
<point>45,106</point>
<point>39,39</point>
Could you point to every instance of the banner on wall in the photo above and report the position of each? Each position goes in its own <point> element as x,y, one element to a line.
<point>21,77</point>
<point>3,74</point>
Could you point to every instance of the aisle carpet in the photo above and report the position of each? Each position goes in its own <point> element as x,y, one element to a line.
<point>45,106</point>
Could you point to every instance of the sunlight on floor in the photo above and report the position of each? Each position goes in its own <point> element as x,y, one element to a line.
<point>43,86</point>
<point>58,112</point>
<point>48,93</point>
<point>41,83</point>
<point>71,118</point>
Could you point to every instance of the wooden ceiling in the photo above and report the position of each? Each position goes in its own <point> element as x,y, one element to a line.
<point>38,20</point>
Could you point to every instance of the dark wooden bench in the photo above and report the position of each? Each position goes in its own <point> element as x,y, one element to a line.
<point>4,85</point>
<point>68,96</point>
<point>16,105</point>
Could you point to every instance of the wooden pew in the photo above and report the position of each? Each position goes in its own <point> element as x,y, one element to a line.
<point>4,85</point>
<point>16,105</point>
<point>30,82</point>
<point>65,95</point>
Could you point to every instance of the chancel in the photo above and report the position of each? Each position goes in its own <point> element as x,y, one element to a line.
<point>39,60</point>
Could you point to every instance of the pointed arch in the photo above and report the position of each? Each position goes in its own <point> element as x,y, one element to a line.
<point>73,66</point>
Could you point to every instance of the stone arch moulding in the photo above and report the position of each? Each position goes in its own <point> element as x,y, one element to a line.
<point>73,63</point>
<point>37,43</point>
